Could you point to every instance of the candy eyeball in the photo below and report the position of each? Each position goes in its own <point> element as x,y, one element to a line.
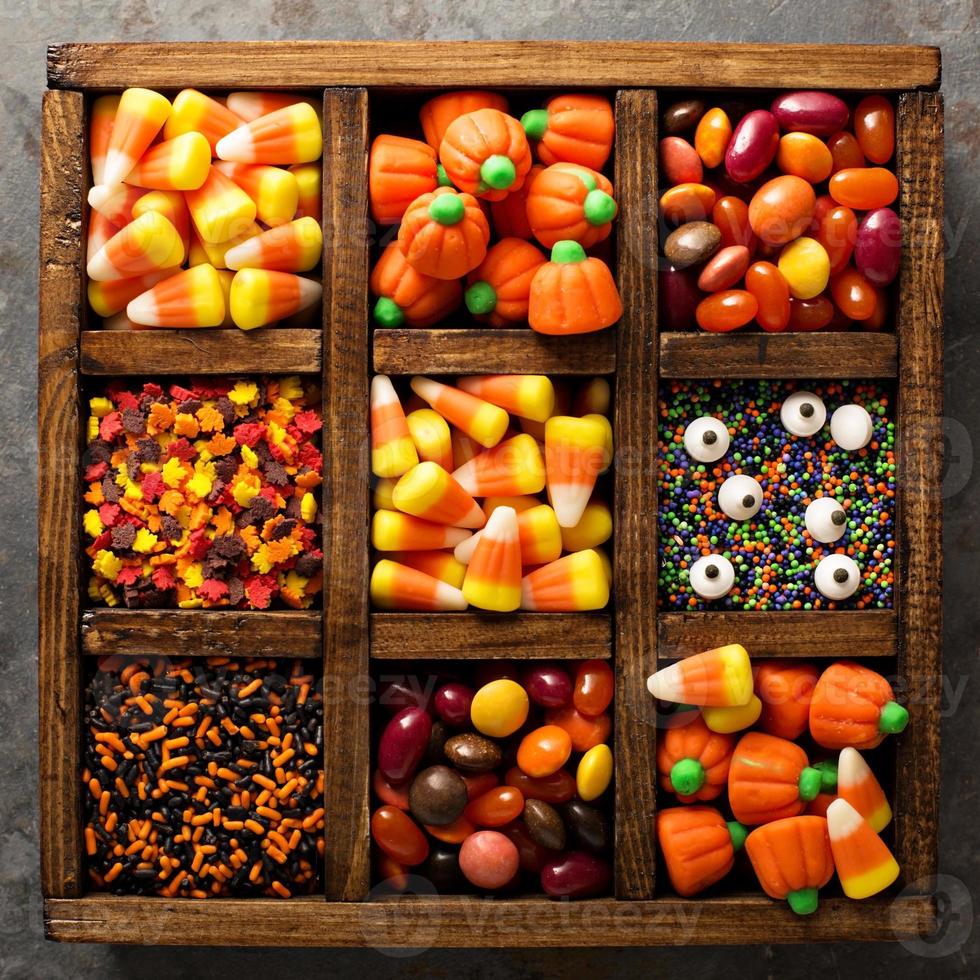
<point>826,520</point>
<point>706,439</point>
<point>740,497</point>
<point>803,413</point>
<point>837,577</point>
<point>851,427</point>
<point>712,576</point>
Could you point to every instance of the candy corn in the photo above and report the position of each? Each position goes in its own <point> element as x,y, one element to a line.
<point>100,230</point>
<point>394,531</point>
<point>395,586</point>
<point>219,208</point>
<point>192,298</point>
<point>250,105</point>
<point>226,278</point>
<point>864,864</point>
<point>216,253</point>
<point>392,450</point>
<point>716,678</point>
<point>430,433</point>
<point>274,190</point>
<point>309,179</point>
<point>139,117</point>
<point>519,503</point>
<point>195,112</point>
<point>439,564</point>
<point>383,496</point>
<point>539,534</point>
<point>101,119</point>
<point>260,297</point>
<point>429,492</point>
<point>115,201</point>
<point>574,453</point>
<point>607,454</point>
<point>464,448</point>
<point>857,784</point>
<point>180,164</point>
<point>515,467</point>
<point>477,418</point>
<point>530,396</point>
<point>146,244</point>
<point>288,135</point>
<point>574,583</point>
<point>110,298</point>
<point>594,397</point>
<point>594,528</point>
<point>493,576</point>
<point>172,206</point>
<point>293,247</point>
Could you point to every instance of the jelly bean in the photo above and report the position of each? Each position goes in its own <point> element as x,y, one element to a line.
<point>835,227</point>
<point>496,807</point>
<point>533,857</point>
<point>726,311</point>
<point>711,137</point>
<point>805,266</point>
<point>452,833</point>
<point>682,117</point>
<point>488,859</point>
<point>878,251</point>
<point>731,216</point>
<point>679,161</point>
<point>392,875</point>
<point>587,827</point>
<point>544,825</point>
<point>677,297</point>
<point>781,209</point>
<point>752,146</point>
<point>874,128</point>
<point>402,693</point>
<point>399,836</point>
<point>864,188</point>
<point>879,318</point>
<point>840,322</point>
<point>771,291</point>
<point>693,242</point>
<point>584,732</point>
<point>594,687</point>
<point>442,870</point>
<point>403,744</point>
<point>548,686</point>
<point>576,874</point>
<point>389,793</point>
<point>452,703</point>
<point>473,753</point>
<point>845,151</point>
<point>819,113</point>
<point>724,269</point>
<point>435,750</point>
<point>544,751</point>
<point>437,796</point>
<point>479,783</point>
<point>854,295</point>
<point>499,708</point>
<point>804,155</point>
<point>687,202</point>
<point>559,787</point>
<point>806,315</point>
<point>594,773</point>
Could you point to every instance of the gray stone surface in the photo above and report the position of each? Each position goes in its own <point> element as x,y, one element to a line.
<point>26,26</point>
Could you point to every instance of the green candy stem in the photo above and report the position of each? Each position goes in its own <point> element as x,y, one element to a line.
<point>447,209</point>
<point>804,901</point>
<point>599,208</point>
<point>828,775</point>
<point>535,123</point>
<point>567,251</point>
<point>893,718</point>
<point>480,298</point>
<point>498,172</point>
<point>738,832</point>
<point>687,777</point>
<point>442,178</point>
<point>810,782</point>
<point>387,313</point>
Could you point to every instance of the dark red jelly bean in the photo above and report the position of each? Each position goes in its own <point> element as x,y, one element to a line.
<point>559,787</point>
<point>678,298</point>
<point>878,250</point>
<point>753,146</point>
<point>548,686</point>
<point>594,686</point>
<point>403,693</point>
<point>452,703</point>
<point>403,744</point>
<point>532,855</point>
<point>576,874</point>
<point>819,113</point>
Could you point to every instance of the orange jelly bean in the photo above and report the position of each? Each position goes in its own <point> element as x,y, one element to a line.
<point>496,807</point>
<point>864,188</point>
<point>712,136</point>
<point>806,315</point>
<point>781,209</point>
<point>731,217</point>
<point>835,227</point>
<point>804,155</point>
<point>559,787</point>
<point>726,311</point>
<point>845,151</point>
<point>479,783</point>
<point>544,751</point>
<point>397,834</point>
<point>584,732</point>
<point>854,295</point>
<point>879,318</point>
<point>771,291</point>
<point>874,128</point>
<point>452,833</point>
<point>687,202</point>
<point>594,687</point>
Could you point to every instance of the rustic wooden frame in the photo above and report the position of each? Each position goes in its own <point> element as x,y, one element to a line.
<point>344,633</point>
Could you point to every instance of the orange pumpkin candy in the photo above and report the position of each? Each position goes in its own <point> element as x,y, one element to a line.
<point>444,234</point>
<point>399,170</point>
<point>769,778</point>
<point>499,288</point>
<point>693,761</point>
<point>785,689</point>
<point>792,860</point>
<point>408,298</point>
<point>573,293</point>
<point>486,153</point>
<point>439,112</point>
<point>572,129</point>
<point>570,202</point>
<point>510,214</point>
<point>698,846</point>
<point>854,706</point>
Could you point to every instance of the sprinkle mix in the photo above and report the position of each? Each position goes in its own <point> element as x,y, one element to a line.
<point>773,554</point>
<point>204,496</point>
<point>203,777</point>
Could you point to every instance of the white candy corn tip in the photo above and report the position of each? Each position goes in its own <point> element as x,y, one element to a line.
<point>667,684</point>
<point>852,770</point>
<point>143,309</point>
<point>502,525</point>
<point>842,819</point>
<point>449,598</point>
<point>101,194</point>
<point>454,536</point>
<point>426,388</point>
<point>101,269</point>
<point>118,166</point>
<point>569,502</point>
<point>310,292</point>
<point>236,146</point>
<point>464,550</point>
<point>382,390</point>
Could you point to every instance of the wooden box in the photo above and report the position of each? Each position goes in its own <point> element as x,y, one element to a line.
<point>635,354</point>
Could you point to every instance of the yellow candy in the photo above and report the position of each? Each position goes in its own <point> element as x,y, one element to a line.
<point>607,429</point>
<point>100,407</point>
<point>307,507</point>
<point>93,523</point>
<point>219,208</point>
<point>593,529</point>
<point>308,179</point>
<point>214,252</point>
<point>735,719</point>
<point>499,708</point>
<point>594,772</point>
<point>145,540</point>
<point>108,565</point>
<point>805,266</point>
<point>382,498</point>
